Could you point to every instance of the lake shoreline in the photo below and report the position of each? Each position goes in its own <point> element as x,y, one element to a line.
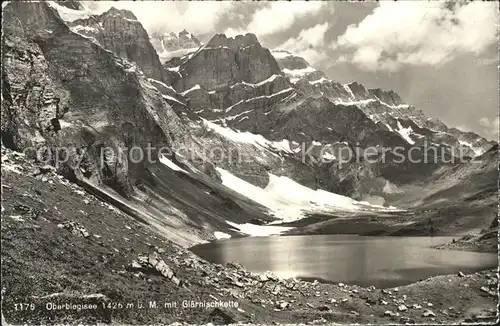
<point>402,260</point>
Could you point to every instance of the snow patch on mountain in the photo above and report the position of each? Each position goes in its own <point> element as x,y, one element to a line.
<point>389,127</point>
<point>232,106</point>
<point>65,124</point>
<point>319,81</point>
<point>328,156</point>
<point>405,133</point>
<point>151,80</point>
<point>295,74</point>
<point>171,98</point>
<point>287,90</point>
<point>289,201</point>
<point>349,91</point>
<point>265,81</point>
<point>256,140</point>
<point>195,87</point>
<point>221,235</point>
<point>238,115</point>
<point>477,151</point>
<point>88,29</point>
<point>171,164</point>
<point>70,15</point>
<point>270,96</point>
<point>360,102</point>
<point>259,230</point>
<point>174,69</point>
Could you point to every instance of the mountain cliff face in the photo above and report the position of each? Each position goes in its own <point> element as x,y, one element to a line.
<point>224,61</point>
<point>118,31</point>
<point>62,89</point>
<point>69,95</point>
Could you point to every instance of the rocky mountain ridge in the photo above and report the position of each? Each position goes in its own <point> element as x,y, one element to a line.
<point>382,106</point>
<point>385,108</point>
<point>231,93</point>
<point>290,106</point>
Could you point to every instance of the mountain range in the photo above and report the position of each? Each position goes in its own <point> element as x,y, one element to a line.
<point>87,81</point>
<point>124,152</point>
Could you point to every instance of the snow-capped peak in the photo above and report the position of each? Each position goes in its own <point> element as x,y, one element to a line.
<point>174,44</point>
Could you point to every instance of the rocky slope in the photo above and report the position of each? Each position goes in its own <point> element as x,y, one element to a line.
<point>485,241</point>
<point>61,245</point>
<point>453,200</point>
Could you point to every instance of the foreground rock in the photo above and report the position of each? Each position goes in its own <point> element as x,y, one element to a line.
<point>153,262</point>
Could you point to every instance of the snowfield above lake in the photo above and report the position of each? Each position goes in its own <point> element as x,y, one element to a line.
<point>289,201</point>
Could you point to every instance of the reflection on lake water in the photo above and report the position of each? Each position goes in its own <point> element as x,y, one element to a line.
<point>379,261</point>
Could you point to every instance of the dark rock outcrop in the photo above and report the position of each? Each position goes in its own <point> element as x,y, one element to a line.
<point>359,91</point>
<point>71,4</point>
<point>119,31</point>
<point>321,120</point>
<point>66,92</point>
<point>224,61</point>
<point>389,97</point>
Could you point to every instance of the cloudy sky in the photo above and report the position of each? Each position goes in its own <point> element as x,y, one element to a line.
<point>439,56</point>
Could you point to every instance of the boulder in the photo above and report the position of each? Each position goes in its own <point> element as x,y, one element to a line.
<point>428,313</point>
<point>223,316</point>
<point>402,307</point>
<point>75,228</point>
<point>282,304</point>
<point>276,289</point>
<point>154,263</point>
<point>323,308</point>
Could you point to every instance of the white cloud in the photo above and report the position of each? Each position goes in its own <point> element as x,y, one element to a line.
<point>419,33</point>
<point>491,126</point>
<point>308,44</point>
<point>278,16</point>
<point>232,32</point>
<point>464,128</point>
<point>198,17</point>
